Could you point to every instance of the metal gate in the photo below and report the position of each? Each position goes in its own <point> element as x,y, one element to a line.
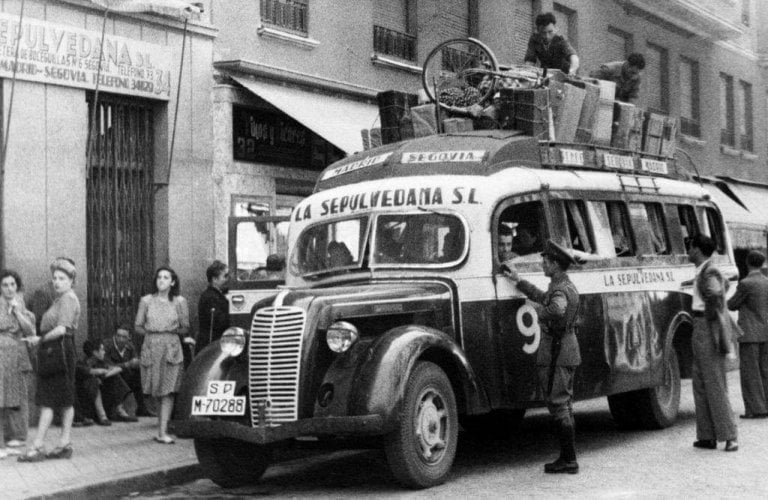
<point>119,211</point>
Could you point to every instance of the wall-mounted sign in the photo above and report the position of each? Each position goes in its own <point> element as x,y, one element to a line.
<point>58,54</point>
<point>270,137</point>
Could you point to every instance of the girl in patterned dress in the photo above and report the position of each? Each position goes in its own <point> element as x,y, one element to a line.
<point>163,317</point>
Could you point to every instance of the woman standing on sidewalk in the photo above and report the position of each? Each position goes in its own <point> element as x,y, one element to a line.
<point>162,318</point>
<point>16,322</point>
<point>59,323</point>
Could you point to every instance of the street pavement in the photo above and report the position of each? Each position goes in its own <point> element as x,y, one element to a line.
<point>107,462</point>
<point>124,461</point>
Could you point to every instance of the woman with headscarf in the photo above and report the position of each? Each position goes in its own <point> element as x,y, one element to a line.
<point>16,322</point>
<point>57,391</point>
<point>163,317</point>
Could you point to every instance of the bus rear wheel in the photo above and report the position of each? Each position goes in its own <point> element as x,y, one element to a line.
<point>652,408</point>
<point>231,463</point>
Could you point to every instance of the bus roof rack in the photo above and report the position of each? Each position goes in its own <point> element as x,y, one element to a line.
<point>570,156</point>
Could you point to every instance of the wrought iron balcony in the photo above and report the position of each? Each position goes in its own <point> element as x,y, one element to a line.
<point>291,15</point>
<point>393,43</point>
<point>690,127</point>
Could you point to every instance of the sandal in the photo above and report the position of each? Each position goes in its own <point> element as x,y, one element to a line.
<point>164,440</point>
<point>60,452</point>
<point>32,455</point>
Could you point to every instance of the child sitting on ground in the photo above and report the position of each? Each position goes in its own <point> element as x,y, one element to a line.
<point>99,389</point>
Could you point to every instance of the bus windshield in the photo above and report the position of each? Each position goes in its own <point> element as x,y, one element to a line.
<point>418,239</point>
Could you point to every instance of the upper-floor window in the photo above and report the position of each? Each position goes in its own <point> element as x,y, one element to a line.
<point>618,44</point>
<point>745,5</point>
<point>566,23</point>
<point>727,111</point>
<point>290,15</point>
<point>394,30</point>
<point>746,140</point>
<point>657,78</point>
<point>689,98</point>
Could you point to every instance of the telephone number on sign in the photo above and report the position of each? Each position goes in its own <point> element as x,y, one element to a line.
<point>225,405</point>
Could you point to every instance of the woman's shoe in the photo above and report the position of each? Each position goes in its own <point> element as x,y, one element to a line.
<point>164,440</point>
<point>61,452</point>
<point>33,455</point>
<point>732,445</point>
<point>14,443</point>
<point>104,422</point>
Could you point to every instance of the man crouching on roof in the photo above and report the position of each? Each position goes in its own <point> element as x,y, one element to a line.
<point>558,354</point>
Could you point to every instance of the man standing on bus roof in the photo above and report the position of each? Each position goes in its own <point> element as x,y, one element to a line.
<point>558,354</point>
<point>713,335</point>
<point>550,49</point>
<point>626,74</point>
<point>751,300</point>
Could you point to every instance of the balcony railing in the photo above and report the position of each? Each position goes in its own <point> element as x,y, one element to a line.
<point>393,43</point>
<point>288,14</point>
<point>727,137</point>
<point>747,143</point>
<point>690,127</point>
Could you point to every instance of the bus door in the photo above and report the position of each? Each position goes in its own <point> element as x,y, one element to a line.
<point>257,255</point>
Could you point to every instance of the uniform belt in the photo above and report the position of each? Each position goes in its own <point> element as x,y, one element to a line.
<point>698,314</point>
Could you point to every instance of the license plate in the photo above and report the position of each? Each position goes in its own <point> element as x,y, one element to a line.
<point>218,405</point>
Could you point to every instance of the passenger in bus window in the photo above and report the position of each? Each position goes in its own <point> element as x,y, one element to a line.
<point>507,231</point>
<point>751,300</point>
<point>558,354</point>
<point>712,340</point>
<point>526,241</point>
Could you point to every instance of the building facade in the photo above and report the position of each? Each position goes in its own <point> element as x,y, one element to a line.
<point>122,212</point>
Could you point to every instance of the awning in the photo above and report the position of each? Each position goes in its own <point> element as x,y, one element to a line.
<point>338,121</point>
<point>749,229</point>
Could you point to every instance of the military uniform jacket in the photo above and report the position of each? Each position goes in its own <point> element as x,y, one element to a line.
<point>557,308</point>
<point>751,300</point>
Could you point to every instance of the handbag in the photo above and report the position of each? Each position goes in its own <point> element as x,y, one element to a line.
<point>52,358</point>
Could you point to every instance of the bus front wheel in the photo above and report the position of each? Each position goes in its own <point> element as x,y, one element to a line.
<point>652,408</point>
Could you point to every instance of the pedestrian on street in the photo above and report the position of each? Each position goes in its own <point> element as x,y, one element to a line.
<point>558,354</point>
<point>713,337</point>
<point>213,306</point>
<point>626,74</point>
<point>16,323</point>
<point>751,300</point>
<point>121,352</point>
<point>163,317</point>
<point>550,49</point>
<point>57,391</point>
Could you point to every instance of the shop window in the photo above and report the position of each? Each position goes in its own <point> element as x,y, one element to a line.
<point>689,98</point>
<point>394,30</point>
<point>521,231</point>
<point>289,15</point>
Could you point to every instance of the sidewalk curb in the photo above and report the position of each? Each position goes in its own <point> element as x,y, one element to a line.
<point>124,486</point>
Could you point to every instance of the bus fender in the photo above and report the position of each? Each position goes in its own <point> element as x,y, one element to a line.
<point>382,375</point>
<point>678,342</point>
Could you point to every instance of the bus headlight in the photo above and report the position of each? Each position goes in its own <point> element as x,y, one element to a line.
<point>232,341</point>
<point>341,335</point>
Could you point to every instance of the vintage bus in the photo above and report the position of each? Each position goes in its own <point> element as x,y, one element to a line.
<point>395,323</point>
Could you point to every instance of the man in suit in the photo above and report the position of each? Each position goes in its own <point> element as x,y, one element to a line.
<point>558,354</point>
<point>711,341</point>
<point>213,307</point>
<point>751,300</point>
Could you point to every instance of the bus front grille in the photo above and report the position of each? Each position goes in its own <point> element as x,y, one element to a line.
<point>274,360</point>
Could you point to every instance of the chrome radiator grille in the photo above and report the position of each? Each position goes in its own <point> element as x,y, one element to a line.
<point>274,358</point>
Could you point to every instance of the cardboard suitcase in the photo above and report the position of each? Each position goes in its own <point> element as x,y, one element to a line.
<point>669,137</point>
<point>603,127</point>
<point>393,108</point>
<point>567,113</point>
<point>456,125</point>
<point>623,120</point>
<point>588,112</point>
<point>653,129</point>
<point>424,120</point>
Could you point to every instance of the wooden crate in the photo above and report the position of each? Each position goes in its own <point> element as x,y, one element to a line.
<point>636,133</point>
<point>669,137</point>
<point>393,108</point>
<point>603,127</point>
<point>623,120</point>
<point>424,120</point>
<point>653,130</point>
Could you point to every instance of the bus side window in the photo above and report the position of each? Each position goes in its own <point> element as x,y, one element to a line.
<point>579,237</point>
<point>688,224</point>
<point>620,229</point>
<point>650,228</point>
<point>528,222</point>
<point>716,232</point>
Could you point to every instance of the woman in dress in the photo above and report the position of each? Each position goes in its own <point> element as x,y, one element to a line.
<point>16,322</point>
<point>59,324</point>
<point>163,317</point>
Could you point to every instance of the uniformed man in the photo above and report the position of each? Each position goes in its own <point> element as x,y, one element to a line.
<point>558,354</point>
